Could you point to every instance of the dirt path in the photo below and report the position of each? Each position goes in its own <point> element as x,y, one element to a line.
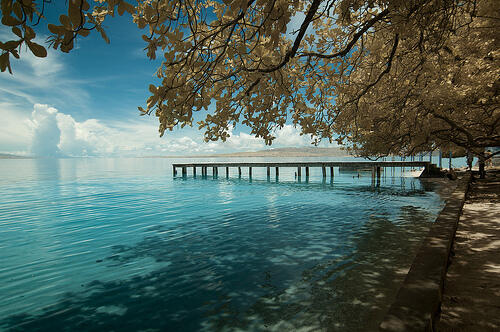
<point>471,297</point>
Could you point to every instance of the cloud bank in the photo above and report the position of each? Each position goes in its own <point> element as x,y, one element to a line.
<point>56,134</point>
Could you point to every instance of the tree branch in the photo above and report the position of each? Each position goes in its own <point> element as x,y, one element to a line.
<point>351,44</point>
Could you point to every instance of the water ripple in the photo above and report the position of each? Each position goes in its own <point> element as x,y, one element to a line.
<point>103,245</point>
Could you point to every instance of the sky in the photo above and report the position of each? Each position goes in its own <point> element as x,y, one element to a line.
<point>85,103</point>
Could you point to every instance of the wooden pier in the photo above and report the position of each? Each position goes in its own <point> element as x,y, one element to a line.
<point>375,166</point>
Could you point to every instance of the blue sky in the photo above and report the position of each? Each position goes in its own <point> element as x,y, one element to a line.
<point>85,103</point>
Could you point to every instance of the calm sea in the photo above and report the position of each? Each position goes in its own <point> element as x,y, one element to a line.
<point>120,244</point>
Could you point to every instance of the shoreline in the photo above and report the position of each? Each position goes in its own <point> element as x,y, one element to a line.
<point>418,301</point>
<point>442,289</point>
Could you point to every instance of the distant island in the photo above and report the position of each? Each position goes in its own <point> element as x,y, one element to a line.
<point>276,152</point>
<point>273,152</point>
<point>12,156</point>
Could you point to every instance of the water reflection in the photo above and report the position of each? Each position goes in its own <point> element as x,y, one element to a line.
<point>136,253</point>
<point>249,281</point>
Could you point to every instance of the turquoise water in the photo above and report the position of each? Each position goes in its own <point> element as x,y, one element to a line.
<point>119,244</point>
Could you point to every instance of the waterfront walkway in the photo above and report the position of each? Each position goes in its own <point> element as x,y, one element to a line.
<point>471,296</point>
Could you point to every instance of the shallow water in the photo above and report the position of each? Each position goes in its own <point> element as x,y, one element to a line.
<point>119,244</point>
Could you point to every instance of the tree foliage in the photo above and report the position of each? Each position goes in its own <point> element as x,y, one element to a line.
<point>443,94</point>
<point>383,76</point>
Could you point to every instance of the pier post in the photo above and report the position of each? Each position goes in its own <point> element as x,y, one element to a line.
<point>426,169</point>
<point>376,167</point>
<point>450,160</point>
<point>440,159</point>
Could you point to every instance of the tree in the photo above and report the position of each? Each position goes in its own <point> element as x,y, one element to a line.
<point>387,76</point>
<point>446,99</point>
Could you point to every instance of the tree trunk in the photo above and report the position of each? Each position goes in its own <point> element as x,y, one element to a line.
<point>482,173</point>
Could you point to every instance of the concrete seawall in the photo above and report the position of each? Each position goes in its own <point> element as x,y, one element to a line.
<point>418,300</point>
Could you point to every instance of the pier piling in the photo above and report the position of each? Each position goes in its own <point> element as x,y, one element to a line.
<point>374,165</point>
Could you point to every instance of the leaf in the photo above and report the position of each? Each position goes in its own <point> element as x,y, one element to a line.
<point>29,33</point>
<point>38,50</point>
<point>74,13</point>
<point>17,32</point>
<point>128,7</point>
<point>83,32</point>
<point>11,44</point>
<point>67,44</point>
<point>104,36</point>
<point>85,5</point>
<point>6,7</point>
<point>56,29</point>
<point>15,53</point>
<point>10,21</point>
<point>5,62</point>
<point>121,8</point>
<point>65,21</point>
<point>18,10</point>
<point>4,59</point>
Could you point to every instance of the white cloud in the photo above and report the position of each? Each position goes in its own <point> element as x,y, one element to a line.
<point>46,132</point>
<point>15,135</point>
<point>41,79</point>
<point>290,136</point>
<point>242,142</point>
<point>58,134</point>
<point>49,132</point>
<point>76,138</point>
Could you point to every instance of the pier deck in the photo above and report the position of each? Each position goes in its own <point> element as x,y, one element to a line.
<point>374,165</point>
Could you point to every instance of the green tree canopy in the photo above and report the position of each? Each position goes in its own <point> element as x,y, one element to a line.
<point>382,76</point>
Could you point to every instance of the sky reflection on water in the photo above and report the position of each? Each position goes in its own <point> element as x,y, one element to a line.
<point>103,244</point>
